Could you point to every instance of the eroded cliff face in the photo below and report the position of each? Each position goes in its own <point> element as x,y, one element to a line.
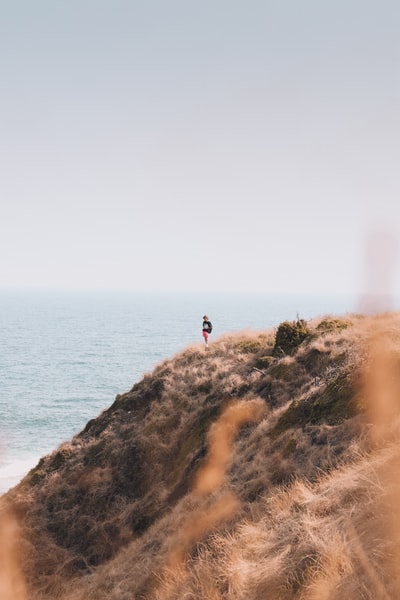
<point>182,486</point>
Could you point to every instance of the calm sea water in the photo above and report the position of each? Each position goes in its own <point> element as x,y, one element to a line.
<point>65,355</point>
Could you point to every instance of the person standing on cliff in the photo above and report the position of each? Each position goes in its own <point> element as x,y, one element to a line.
<point>207,329</point>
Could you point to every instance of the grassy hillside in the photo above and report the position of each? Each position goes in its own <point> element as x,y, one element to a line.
<point>263,467</point>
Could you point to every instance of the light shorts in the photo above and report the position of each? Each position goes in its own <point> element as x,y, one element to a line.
<point>205,335</point>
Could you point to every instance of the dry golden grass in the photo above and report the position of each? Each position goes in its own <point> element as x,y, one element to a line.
<point>229,474</point>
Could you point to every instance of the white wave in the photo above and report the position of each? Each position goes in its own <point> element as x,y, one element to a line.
<point>13,470</point>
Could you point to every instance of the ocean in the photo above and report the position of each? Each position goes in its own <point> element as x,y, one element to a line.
<point>64,356</point>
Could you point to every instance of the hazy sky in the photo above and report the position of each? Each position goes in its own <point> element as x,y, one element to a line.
<point>219,145</point>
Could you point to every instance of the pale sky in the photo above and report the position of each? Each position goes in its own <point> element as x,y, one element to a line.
<point>220,145</point>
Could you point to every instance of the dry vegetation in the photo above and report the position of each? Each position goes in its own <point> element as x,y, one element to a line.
<point>265,467</point>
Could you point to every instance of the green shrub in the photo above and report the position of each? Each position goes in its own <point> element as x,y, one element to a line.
<point>60,458</point>
<point>331,325</point>
<point>263,362</point>
<point>283,371</point>
<point>36,475</point>
<point>289,335</point>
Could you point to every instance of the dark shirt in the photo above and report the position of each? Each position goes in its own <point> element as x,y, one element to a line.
<point>207,326</point>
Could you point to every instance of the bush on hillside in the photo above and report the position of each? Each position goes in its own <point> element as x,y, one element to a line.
<point>331,326</point>
<point>263,362</point>
<point>289,335</point>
